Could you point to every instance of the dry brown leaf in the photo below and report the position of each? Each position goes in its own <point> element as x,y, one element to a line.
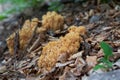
<point>63,64</point>
<point>101,37</point>
<point>78,66</point>
<point>67,75</point>
<point>74,56</point>
<point>91,60</point>
<point>76,71</point>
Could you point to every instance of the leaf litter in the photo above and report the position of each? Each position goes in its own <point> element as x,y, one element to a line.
<point>101,26</point>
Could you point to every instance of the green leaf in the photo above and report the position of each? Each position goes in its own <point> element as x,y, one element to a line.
<point>56,6</point>
<point>3,1</point>
<point>99,66</point>
<point>106,49</point>
<point>106,62</point>
<point>3,17</point>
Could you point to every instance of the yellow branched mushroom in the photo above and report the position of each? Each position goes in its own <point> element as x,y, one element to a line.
<point>69,44</point>
<point>24,34</point>
<point>52,21</point>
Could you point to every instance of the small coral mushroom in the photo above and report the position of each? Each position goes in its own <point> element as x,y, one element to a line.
<point>52,21</point>
<point>68,44</point>
<point>25,34</point>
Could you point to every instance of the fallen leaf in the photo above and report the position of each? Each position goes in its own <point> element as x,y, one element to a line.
<point>67,75</point>
<point>79,54</point>
<point>91,60</point>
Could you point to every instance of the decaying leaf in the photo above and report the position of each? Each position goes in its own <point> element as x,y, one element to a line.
<point>78,66</point>
<point>79,54</point>
<point>67,75</point>
<point>69,44</point>
<point>91,61</point>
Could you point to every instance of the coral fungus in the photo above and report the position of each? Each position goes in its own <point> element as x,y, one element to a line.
<point>51,20</point>
<point>25,34</point>
<point>68,44</point>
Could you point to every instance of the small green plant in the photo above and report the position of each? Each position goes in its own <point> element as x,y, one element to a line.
<point>56,6</point>
<point>17,6</point>
<point>105,62</point>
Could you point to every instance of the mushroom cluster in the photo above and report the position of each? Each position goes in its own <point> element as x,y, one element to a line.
<point>68,44</point>
<point>24,35</point>
<point>51,20</point>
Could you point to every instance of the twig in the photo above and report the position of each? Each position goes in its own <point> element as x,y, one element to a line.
<point>16,42</point>
<point>35,45</point>
<point>31,39</point>
<point>29,42</point>
<point>16,48</point>
<point>116,14</point>
<point>86,47</point>
<point>12,74</point>
<point>37,50</point>
<point>58,66</point>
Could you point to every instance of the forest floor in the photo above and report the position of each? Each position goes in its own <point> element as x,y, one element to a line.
<point>102,23</point>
